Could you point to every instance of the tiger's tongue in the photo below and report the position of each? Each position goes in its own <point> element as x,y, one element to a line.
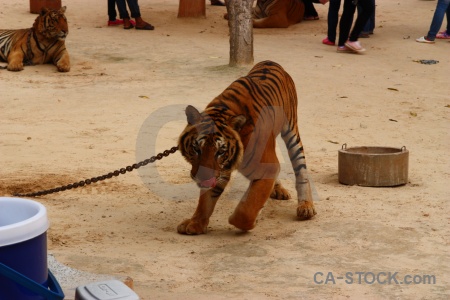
<point>209,183</point>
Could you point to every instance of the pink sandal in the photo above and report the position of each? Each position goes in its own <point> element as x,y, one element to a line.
<point>344,49</point>
<point>355,46</point>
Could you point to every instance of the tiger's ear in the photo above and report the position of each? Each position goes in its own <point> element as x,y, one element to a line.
<point>237,122</point>
<point>63,9</point>
<point>193,115</point>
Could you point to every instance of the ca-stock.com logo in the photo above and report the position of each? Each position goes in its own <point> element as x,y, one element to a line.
<point>326,278</point>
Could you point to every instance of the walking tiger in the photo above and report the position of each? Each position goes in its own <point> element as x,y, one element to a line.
<point>237,131</point>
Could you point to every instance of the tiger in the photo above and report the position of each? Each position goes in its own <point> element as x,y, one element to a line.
<point>277,13</point>
<point>237,131</point>
<point>40,44</point>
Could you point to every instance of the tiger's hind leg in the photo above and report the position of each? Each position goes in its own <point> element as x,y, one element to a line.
<point>279,192</point>
<point>305,208</point>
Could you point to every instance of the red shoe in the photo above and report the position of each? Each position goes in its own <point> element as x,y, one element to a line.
<point>115,22</point>
<point>443,35</point>
<point>326,41</point>
<point>119,22</point>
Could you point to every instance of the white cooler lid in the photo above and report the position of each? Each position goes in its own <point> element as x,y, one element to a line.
<point>21,220</point>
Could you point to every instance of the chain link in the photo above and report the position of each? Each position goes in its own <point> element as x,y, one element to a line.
<point>115,173</point>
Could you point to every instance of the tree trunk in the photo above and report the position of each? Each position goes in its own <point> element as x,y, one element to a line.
<point>241,32</point>
<point>191,9</point>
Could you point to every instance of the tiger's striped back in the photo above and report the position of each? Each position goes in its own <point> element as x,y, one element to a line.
<point>267,98</point>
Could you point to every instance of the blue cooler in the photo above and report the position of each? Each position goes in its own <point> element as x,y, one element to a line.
<point>24,274</point>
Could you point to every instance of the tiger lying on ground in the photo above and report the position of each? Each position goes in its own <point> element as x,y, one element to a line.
<point>40,44</point>
<point>237,131</point>
<point>277,13</point>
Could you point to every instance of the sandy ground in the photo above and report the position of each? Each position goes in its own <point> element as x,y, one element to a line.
<point>123,101</point>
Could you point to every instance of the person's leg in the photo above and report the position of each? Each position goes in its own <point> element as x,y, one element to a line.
<point>448,19</point>
<point>370,26</point>
<point>333,18</point>
<point>364,33</point>
<point>112,14</point>
<point>367,7</point>
<point>122,7</point>
<point>136,14</point>
<point>134,8</point>
<point>438,18</point>
<point>345,23</point>
<point>310,11</point>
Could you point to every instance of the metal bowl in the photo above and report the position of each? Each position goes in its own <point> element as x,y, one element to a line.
<point>373,166</point>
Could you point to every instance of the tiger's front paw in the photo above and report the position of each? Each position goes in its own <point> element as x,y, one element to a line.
<point>192,227</point>
<point>63,67</point>
<point>15,67</point>
<point>306,210</point>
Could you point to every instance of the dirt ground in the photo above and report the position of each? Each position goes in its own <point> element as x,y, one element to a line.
<point>123,101</point>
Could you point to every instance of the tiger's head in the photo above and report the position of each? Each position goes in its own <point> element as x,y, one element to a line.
<point>52,24</point>
<point>211,144</point>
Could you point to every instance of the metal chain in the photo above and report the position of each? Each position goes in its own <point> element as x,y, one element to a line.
<point>115,173</point>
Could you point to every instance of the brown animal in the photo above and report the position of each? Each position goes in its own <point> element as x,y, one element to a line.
<point>237,131</point>
<point>40,44</point>
<point>277,13</point>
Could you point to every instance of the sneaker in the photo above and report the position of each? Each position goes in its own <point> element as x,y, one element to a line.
<point>443,35</point>
<point>424,39</point>
<point>326,41</point>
